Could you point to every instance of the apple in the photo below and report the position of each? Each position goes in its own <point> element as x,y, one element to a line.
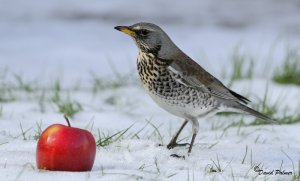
<point>64,148</point>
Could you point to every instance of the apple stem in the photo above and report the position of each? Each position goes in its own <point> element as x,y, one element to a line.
<point>68,121</point>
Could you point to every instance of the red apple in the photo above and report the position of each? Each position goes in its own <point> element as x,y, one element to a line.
<point>64,148</point>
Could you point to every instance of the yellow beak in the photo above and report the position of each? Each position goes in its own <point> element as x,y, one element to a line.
<point>126,30</point>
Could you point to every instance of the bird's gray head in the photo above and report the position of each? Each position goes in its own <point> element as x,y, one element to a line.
<point>150,38</point>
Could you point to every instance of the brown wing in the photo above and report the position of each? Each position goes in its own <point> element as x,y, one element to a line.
<point>192,74</point>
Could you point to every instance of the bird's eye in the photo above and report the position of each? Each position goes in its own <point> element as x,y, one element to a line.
<point>144,32</point>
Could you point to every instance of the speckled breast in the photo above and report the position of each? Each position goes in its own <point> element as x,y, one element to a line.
<point>169,93</point>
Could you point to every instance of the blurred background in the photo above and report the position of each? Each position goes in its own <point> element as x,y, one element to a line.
<point>73,39</point>
<point>64,57</point>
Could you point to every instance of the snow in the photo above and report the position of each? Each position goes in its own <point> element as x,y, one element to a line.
<point>69,41</point>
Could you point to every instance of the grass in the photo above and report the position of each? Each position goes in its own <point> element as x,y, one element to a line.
<point>156,165</point>
<point>24,168</point>
<point>296,175</point>
<point>215,166</point>
<point>156,132</point>
<point>106,139</point>
<point>289,71</point>
<point>271,110</point>
<point>244,158</point>
<point>22,85</point>
<point>1,110</point>
<point>242,67</point>
<point>5,87</point>
<point>6,93</point>
<point>69,107</point>
<point>4,143</point>
<point>38,131</point>
<point>66,106</point>
<point>41,101</point>
<point>24,132</point>
<point>290,119</point>
<point>117,81</point>
<point>265,108</point>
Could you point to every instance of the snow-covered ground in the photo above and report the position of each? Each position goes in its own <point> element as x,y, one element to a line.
<point>72,41</point>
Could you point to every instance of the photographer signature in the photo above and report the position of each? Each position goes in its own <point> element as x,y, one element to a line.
<point>271,172</point>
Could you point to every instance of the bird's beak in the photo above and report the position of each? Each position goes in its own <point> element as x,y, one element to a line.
<point>125,29</point>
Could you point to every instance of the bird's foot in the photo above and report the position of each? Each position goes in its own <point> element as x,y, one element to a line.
<point>174,144</point>
<point>178,156</point>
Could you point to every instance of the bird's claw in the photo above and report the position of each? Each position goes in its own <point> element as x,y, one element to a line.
<point>178,156</point>
<point>173,145</point>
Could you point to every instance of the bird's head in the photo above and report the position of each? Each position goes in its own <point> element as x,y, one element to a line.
<point>150,38</point>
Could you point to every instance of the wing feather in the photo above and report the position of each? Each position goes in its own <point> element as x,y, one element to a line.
<point>189,73</point>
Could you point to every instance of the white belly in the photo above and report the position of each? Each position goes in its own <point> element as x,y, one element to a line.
<point>181,109</point>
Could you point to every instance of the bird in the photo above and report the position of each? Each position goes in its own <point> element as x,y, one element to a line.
<point>180,85</point>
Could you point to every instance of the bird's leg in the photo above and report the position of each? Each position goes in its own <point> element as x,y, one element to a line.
<point>192,143</point>
<point>195,131</point>
<point>190,148</point>
<point>173,142</point>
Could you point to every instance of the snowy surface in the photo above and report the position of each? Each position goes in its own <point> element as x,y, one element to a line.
<point>72,41</point>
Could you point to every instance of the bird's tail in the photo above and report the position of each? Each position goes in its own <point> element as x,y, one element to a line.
<point>256,113</point>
